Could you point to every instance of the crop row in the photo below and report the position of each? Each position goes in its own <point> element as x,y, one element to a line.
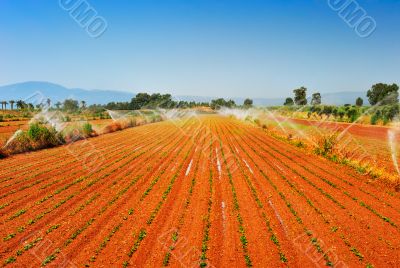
<point>260,205</point>
<point>150,187</point>
<point>175,236</point>
<point>159,205</point>
<point>88,185</point>
<point>286,202</point>
<point>302,194</point>
<point>112,201</point>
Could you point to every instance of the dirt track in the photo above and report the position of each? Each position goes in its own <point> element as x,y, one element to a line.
<point>208,191</point>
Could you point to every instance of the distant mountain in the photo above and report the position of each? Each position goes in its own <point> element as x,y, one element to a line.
<point>31,90</point>
<point>23,91</point>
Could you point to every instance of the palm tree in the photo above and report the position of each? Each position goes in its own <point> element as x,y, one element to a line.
<point>48,103</point>
<point>12,104</point>
<point>83,104</point>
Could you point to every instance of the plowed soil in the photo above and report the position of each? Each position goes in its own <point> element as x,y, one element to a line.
<point>197,192</point>
<point>366,143</point>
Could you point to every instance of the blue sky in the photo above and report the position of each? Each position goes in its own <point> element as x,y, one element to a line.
<point>255,48</point>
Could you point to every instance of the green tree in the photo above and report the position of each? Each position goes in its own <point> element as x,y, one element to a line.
<point>383,94</point>
<point>335,112</point>
<point>359,102</point>
<point>248,103</point>
<point>289,102</point>
<point>71,105</point>
<point>21,104</point>
<point>316,99</point>
<point>390,112</point>
<point>341,113</point>
<point>140,101</point>
<point>218,103</point>
<point>300,96</point>
<point>327,110</point>
<point>352,114</point>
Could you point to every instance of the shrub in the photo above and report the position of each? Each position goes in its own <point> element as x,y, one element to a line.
<point>37,137</point>
<point>1,118</point>
<point>374,119</point>
<point>42,136</point>
<point>326,145</point>
<point>87,130</point>
<point>35,131</point>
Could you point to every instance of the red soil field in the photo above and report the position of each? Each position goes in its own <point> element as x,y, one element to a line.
<point>366,131</point>
<point>197,192</point>
<point>360,142</point>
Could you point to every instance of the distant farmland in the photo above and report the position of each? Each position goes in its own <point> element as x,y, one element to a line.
<point>207,191</point>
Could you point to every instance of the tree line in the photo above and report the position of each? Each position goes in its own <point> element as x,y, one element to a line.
<point>383,98</point>
<point>140,101</point>
<point>380,94</point>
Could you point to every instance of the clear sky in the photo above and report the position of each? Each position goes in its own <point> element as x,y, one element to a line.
<point>255,48</point>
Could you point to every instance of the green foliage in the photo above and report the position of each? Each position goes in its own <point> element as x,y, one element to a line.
<point>359,102</point>
<point>71,105</point>
<point>385,113</point>
<point>48,259</point>
<point>87,130</point>
<point>248,103</point>
<point>136,245</point>
<point>218,103</point>
<point>10,260</point>
<point>9,236</point>
<point>326,145</point>
<point>42,136</point>
<point>289,102</point>
<point>352,114</point>
<point>52,228</point>
<point>300,96</point>
<point>316,99</point>
<point>383,94</point>
<point>147,101</point>
<point>17,214</point>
